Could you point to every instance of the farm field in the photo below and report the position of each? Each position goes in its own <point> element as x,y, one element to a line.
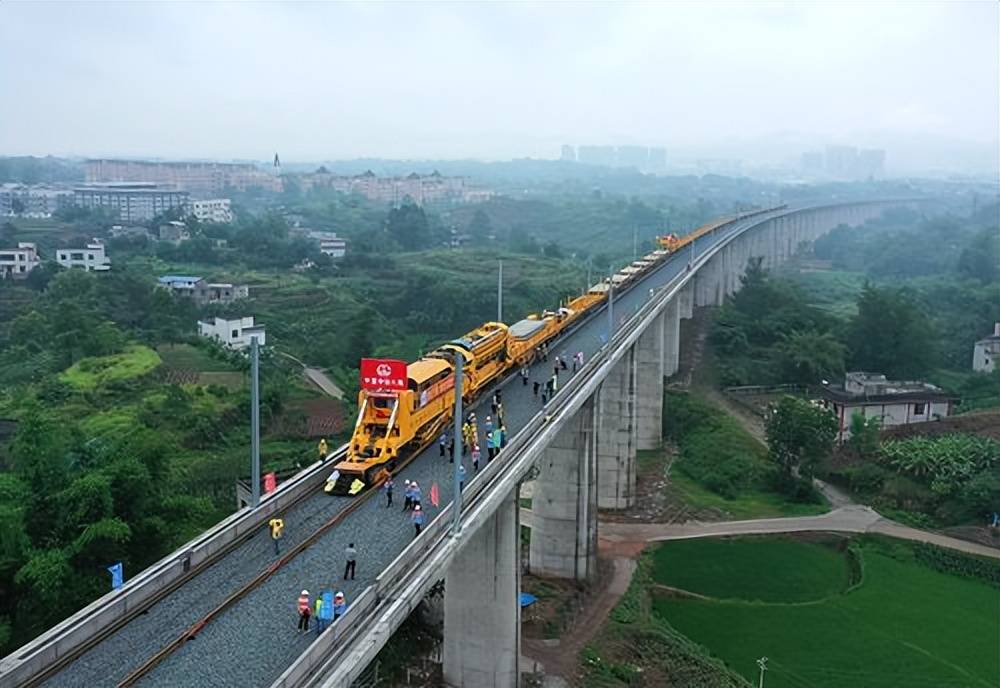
<point>903,625</point>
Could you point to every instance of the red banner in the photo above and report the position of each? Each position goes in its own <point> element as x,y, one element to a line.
<point>383,373</point>
<point>270,483</point>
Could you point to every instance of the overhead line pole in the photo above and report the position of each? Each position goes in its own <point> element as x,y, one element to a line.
<point>456,503</point>
<point>254,423</point>
<point>611,307</point>
<point>500,294</point>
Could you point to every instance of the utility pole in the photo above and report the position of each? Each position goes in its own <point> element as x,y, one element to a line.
<point>611,307</point>
<point>254,423</point>
<point>500,293</point>
<point>635,242</point>
<point>456,503</point>
<point>589,264</point>
<point>762,663</point>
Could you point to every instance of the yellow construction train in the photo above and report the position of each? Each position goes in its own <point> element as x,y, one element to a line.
<point>393,426</point>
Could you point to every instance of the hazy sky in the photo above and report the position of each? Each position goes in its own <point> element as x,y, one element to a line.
<point>320,81</point>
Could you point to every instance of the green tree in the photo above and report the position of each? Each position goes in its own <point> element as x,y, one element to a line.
<point>808,356</point>
<point>890,335</point>
<point>480,227</point>
<point>799,436</point>
<point>408,226</point>
<point>864,434</point>
<point>980,260</point>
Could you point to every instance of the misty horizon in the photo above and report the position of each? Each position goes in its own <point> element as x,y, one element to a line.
<point>761,81</point>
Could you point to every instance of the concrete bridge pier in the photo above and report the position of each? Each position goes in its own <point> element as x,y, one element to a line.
<point>648,352</point>
<point>564,504</point>
<point>482,614</point>
<point>672,337</point>
<point>616,436</point>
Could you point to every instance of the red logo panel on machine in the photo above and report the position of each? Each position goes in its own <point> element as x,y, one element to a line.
<point>383,374</point>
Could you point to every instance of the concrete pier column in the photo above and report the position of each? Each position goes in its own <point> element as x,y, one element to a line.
<point>672,338</point>
<point>482,619</point>
<point>564,506</point>
<point>616,437</point>
<point>649,385</point>
<point>685,304</point>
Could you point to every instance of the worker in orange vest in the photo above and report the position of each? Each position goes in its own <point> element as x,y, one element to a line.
<point>305,611</point>
<point>323,449</point>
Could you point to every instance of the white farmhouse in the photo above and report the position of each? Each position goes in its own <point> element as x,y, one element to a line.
<point>18,262</point>
<point>91,258</point>
<point>892,402</point>
<point>233,333</point>
<point>986,352</point>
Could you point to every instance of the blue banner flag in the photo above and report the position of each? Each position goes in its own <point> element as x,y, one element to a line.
<point>117,575</point>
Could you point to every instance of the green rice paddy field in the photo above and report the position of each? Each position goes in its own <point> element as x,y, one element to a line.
<point>904,624</point>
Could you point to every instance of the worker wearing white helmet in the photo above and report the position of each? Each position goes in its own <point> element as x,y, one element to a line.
<point>418,519</point>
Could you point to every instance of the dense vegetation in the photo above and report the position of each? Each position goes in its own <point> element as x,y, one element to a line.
<point>923,293</point>
<point>719,455</point>
<point>946,479</point>
<point>885,630</point>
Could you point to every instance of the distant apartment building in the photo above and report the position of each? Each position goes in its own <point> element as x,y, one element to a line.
<point>633,156</point>
<point>174,232</point>
<point>131,201</point>
<point>17,262</point>
<point>984,354</point>
<point>206,178</point>
<point>642,158</point>
<point>91,258</point>
<point>329,243</point>
<point>216,210</point>
<point>420,189</point>
<point>234,333</point>
<point>893,402</point>
<point>841,161</point>
<point>201,292</point>
<point>34,201</point>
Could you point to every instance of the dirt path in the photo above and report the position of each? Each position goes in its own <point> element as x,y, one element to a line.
<point>561,657</point>
<point>848,519</point>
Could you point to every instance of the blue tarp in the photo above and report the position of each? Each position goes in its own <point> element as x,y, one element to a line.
<point>527,598</point>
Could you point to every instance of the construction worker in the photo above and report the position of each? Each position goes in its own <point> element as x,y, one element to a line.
<point>461,477</point>
<point>555,367</point>
<point>277,531</point>
<point>414,495</point>
<point>418,519</point>
<point>536,385</point>
<point>305,611</point>
<point>499,413</point>
<point>451,451</point>
<point>503,436</point>
<point>443,442</point>
<point>339,605</point>
<point>387,487</point>
<point>323,449</point>
<point>475,458</point>
<point>488,425</point>
<point>407,495</point>
<point>497,441</point>
<point>350,554</point>
<point>524,376</point>
<point>318,613</point>
<point>562,361</point>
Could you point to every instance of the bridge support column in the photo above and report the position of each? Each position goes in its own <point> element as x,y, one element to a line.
<point>672,338</point>
<point>649,386</point>
<point>616,437</point>
<point>482,619</point>
<point>685,301</point>
<point>564,506</point>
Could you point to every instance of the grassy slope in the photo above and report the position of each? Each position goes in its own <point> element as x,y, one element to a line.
<point>905,625</point>
<point>751,504</point>
<point>89,373</point>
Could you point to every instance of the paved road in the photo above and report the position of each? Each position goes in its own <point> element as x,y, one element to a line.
<point>254,640</point>
<point>321,380</point>
<point>848,519</point>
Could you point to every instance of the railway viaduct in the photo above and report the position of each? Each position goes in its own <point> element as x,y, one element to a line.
<point>579,449</point>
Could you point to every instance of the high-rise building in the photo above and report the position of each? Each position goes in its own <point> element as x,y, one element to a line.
<point>568,153</point>
<point>597,155</point>
<point>633,156</point>
<point>871,163</point>
<point>841,161</point>
<point>811,163</point>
